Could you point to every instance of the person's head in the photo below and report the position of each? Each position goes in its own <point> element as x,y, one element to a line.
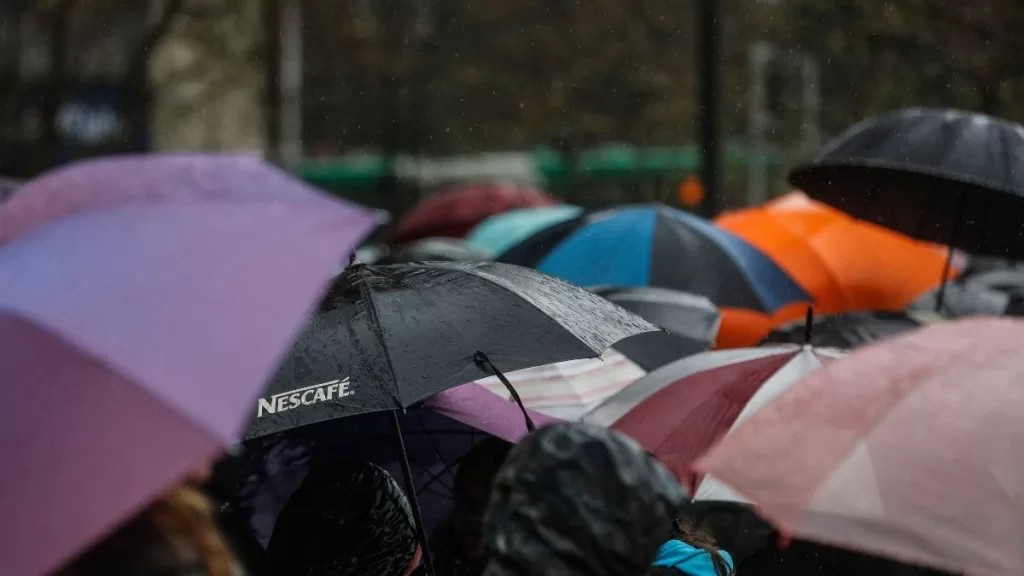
<point>472,492</point>
<point>691,550</point>
<point>346,519</point>
<point>175,536</point>
<point>576,499</point>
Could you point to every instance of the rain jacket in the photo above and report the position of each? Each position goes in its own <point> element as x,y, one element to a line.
<point>579,500</point>
<point>688,559</point>
<point>346,519</point>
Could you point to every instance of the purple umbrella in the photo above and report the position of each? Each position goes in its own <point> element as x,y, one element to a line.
<point>144,302</point>
<point>437,434</point>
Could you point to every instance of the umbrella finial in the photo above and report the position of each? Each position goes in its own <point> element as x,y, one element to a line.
<point>484,363</point>
<point>809,325</point>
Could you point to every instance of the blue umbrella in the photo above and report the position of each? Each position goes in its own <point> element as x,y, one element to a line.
<point>653,245</point>
<point>502,231</point>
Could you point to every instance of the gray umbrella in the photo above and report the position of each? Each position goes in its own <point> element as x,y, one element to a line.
<point>435,249</point>
<point>691,323</point>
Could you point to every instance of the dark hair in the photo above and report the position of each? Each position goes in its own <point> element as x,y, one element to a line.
<point>486,458</point>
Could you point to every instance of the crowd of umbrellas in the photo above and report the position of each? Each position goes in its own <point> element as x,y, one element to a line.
<point>829,360</point>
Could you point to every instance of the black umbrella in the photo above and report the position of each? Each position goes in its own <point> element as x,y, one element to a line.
<point>848,330</point>
<point>691,323</point>
<point>387,337</point>
<point>435,249</point>
<point>938,175</point>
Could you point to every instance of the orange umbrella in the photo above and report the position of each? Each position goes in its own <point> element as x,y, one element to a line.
<point>844,263</point>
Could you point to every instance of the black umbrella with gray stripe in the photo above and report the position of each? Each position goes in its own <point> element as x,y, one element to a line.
<point>387,337</point>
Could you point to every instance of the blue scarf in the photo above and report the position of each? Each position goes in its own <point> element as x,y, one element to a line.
<point>688,559</point>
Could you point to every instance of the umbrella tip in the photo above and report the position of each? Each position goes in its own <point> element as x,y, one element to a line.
<point>809,325</point>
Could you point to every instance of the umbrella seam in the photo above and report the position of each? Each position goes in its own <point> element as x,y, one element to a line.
<point>502,283</point>
<point>396,394</point>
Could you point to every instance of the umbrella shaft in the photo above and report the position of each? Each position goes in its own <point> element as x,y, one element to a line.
<point>410,488</point>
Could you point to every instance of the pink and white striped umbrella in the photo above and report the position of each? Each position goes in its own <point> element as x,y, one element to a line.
<point>680,410</point>
<point>909,448</point>
<point>567,390</point>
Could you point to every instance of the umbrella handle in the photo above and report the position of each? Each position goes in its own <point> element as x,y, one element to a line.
<point>410,488</point>
<point>484,363</point>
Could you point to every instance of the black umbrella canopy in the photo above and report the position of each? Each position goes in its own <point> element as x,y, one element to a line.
<point>938,175</point>
<point>849,330</point>
<point>387,337</point>
<point>691,323</point>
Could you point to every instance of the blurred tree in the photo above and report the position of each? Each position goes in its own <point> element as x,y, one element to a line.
<point>498,75</point>
<point>878,56</point>
<point>206,78</point>
<point>85,40</point>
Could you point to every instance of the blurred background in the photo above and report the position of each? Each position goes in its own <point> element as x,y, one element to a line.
<point>599,102</point>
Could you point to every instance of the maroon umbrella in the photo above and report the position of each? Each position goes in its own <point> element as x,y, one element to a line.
<point>455,212</point>
<point>144,301</point>
<point>680,410</point>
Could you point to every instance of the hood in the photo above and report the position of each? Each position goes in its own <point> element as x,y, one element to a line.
<point>577,499</point>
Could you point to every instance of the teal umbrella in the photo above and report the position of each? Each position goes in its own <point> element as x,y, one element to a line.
<point>502,231</point>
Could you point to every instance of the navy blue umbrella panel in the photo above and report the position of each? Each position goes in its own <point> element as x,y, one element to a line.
<point>654,245</point>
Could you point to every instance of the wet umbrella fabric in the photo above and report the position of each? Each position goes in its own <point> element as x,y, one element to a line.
<point>390,336</point>
<point>852,329</point>
<point>500,232</point>
<point>437,434</point>
<point>434,249</point>
<point>908,448</point>
<point>943,176</point>
<point>660,247</point>
<point>549,512</point>
<point>454,213</point>
<point>678,412</point>
<point>129,349</point>
<point>691,323</point>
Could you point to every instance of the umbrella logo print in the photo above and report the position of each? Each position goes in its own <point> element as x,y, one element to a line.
<point>323,392</point>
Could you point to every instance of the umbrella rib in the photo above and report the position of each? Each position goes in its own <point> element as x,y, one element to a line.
<point>378,330</point>
<point>509,286</point>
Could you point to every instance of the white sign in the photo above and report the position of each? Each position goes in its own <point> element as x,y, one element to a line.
<point>307,396</point>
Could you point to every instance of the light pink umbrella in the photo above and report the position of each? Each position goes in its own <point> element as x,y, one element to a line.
<point>568,390</point>
<point>910,448</point>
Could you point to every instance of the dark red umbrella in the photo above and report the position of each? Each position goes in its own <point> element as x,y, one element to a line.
<point>453,213</point>
<point>680,410</point>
